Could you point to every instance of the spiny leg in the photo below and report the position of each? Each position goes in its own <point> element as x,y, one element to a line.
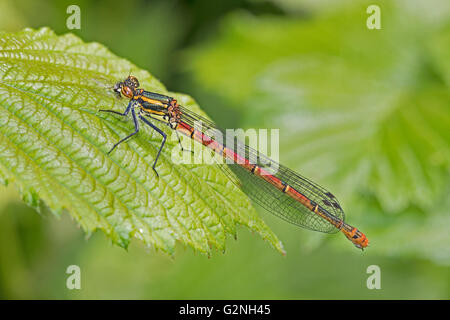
<point>136,130</point>
<point>178,136</point>
<point>162,144</point>
<point>181,145</point>
<point>127,110</point>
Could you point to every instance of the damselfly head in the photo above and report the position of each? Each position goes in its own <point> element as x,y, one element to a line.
<point>126,87</point>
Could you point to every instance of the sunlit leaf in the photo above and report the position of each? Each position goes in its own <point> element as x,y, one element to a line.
<point>54,144</point>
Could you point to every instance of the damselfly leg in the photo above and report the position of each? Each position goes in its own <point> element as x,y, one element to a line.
<point>178,136</point>
<point>124,114</point>
<point>147,122</point>
<point>181,145</point>
<point>136,125</point>
<point>136,130</point>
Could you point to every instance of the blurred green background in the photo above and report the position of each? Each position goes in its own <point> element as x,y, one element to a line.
<point>365,113</point>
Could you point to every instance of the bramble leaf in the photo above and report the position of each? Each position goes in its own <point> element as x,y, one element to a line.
<point>54,144</point>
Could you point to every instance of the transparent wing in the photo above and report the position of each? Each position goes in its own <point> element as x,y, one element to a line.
<point>266,195</point>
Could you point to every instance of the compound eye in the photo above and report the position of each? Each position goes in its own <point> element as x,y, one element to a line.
<point>127,92</point>
<point>132,82</point>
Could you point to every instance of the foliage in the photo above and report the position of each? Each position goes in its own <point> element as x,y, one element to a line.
<point>54,144</point>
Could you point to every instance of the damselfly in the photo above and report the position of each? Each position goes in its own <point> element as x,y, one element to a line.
<point>284,193</point>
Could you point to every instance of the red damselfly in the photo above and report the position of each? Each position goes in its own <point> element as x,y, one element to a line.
<point>284,193</point>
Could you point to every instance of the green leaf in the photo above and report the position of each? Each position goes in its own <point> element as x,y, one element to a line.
<point>363,112</point>
<point>54,144</point>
